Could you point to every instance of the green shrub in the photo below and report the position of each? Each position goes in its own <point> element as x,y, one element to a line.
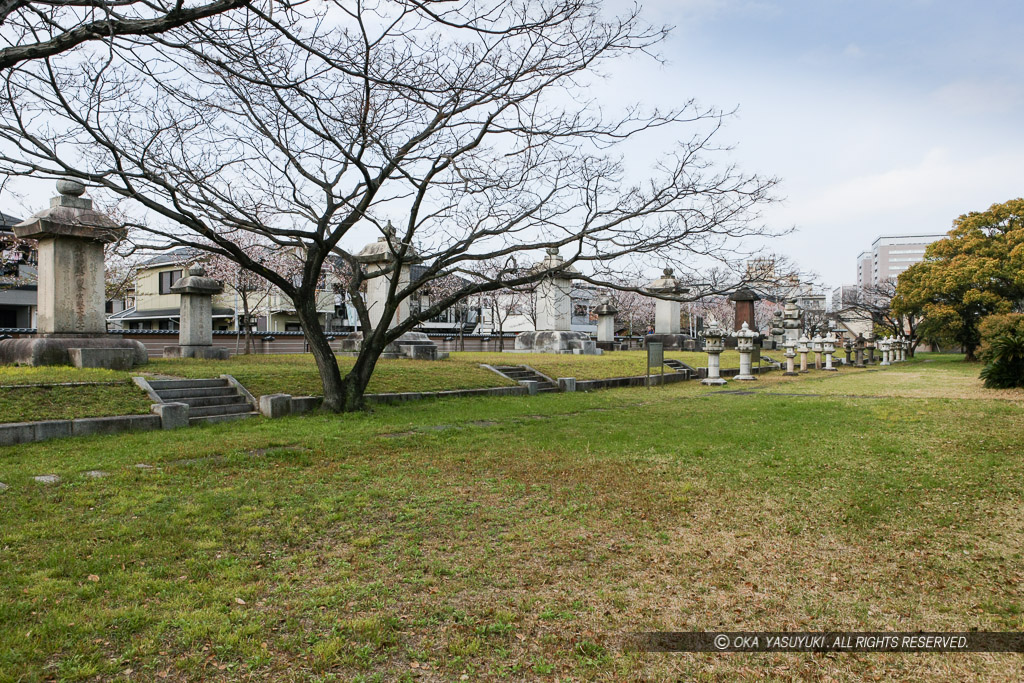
<point>998,325</point>
<point>1005,367</point>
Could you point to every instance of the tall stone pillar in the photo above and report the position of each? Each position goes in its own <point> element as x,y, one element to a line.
<point>828,346</point>
<point>803,350</point>
<point>554,312</point>
<point>667,329</point>
<point>71,328</point>
<point>744,299</point>
<point>381,258</point>
<point>195,335</point>
<point>606,313</point>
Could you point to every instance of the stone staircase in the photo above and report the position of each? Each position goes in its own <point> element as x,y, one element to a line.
<point>677,366</point>
<point>209,400</point>
<point>520,373</point>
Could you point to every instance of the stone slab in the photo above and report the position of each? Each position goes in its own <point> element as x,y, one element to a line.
<point>172,415</point>
<point>87,426</point>
<point>47,479</point>
<point>54,350</point>
<point>275,405</point>
<point>204,352</point>
<point>107,358</point>
<point>13,433</point>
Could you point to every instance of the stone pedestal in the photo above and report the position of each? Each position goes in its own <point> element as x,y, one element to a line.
<point>714,344</point>
<point>414,345</point>
<point>383,261</point>
<point>71,297</point>
<point>195,335</point>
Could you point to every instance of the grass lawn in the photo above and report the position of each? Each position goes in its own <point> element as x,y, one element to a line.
<point>291,374</point>
<point>615,364</point>
<point>520,538</point>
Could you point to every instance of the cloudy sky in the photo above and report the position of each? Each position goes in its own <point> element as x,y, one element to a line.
<point>880,116</point>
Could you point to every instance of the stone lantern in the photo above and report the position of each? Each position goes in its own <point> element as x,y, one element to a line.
<point>884,345</point>
<point>904,343</point>
<point>606,312</point>
<point>72,325</point>
<point>790,346</point>
<point>745,338</point>
<point>848,348</point>
<point>828,346</point>
<point>803,350</point>
<point>870,344</point>
<point>817,343</point>
<point>714,344</point>
<point>858,345</point>
<point>195,336</point>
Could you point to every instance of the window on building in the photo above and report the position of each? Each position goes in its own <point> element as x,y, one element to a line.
<point>168,278</point>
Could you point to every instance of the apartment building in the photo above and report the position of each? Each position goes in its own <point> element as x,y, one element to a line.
<point>893,254</point>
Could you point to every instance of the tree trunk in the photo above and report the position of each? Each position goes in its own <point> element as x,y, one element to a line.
<point>338,395</point>
<point>245,323</point>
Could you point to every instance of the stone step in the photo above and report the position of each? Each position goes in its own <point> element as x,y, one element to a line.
<point>206,401</point>
<point>176,394</point>
<point>211,419</point>
<point>160,384</point>
<point>225,409</point>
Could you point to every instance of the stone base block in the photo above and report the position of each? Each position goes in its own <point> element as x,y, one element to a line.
<point>416,345</point>
<point>110,359</point>
<point>567,384</point>
<point>275,405</point>
<point>556,342</point>
<point>744,378</point>
<point>172,415</point>
<point>56,350</point>
<point>716,382</point>
<point>672,342</point>
<point>204,352</point>
<point>532,386</point>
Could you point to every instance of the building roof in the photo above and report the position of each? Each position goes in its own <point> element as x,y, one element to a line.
<point>7,221</point>
<point>161,313</point>
<point>178,256</point>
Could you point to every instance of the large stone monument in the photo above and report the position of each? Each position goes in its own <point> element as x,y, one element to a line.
<point>381,257</point>
<point>744,300</point>
<point>554,312</point>
<point>667,329</point>
<point>195,336</point>
<point>72,327</point>
<point>606,313</point>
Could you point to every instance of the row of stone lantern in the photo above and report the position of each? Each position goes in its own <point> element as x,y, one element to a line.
<point>894,349</point>
<point>714,345</point>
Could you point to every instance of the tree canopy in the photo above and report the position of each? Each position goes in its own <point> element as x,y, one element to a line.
<point>976,271</point>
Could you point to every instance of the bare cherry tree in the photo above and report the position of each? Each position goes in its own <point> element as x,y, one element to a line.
<point>468,123</point>
<point>38,29</point>
<point>874,303</point>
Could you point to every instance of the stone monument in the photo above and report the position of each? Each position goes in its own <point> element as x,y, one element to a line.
<point>72,326</point>
<point>884,346</point>
<point>778,331</point>
<point>744,299</point>
<point>554,312</point>
<point>791,321</point>
<point>606,312</point>
<point>195,336</point>
<point>745,338</point>
<point>714,344</point>
<point>817,343</point>
<point>858,345</point>
<point>381,257</point>
<point>667,329</point>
